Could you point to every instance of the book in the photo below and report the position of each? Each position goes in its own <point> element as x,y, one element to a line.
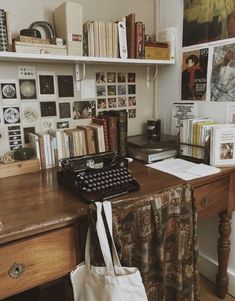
<point>86,28</point>
<point>222,150</point>
<point>139,40</point>
<point>3,31</point>
<point>115,46</point>
<point>33,40</point>
<point>122,40</point>
<point>103,121</point>
<point>68,19</point>
<point>99,137</point>
<point>130,34</point>
<point>89,139</point>
<point>122,126</point>
<point>112,132</point>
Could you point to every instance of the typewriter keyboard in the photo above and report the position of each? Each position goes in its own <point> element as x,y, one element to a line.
<point>98,185</point>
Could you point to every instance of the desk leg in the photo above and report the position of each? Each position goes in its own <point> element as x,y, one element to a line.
<point>223,254</point>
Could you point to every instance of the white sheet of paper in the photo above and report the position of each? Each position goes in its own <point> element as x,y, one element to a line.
<point>88,89</point>
<point>183,169</point>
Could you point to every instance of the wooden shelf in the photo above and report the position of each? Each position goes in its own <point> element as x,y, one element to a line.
<point>62,59</point>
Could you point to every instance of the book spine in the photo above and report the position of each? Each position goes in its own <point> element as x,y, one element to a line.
<point>103,122</point>
<point>130,32</point>
<point>113,133</point>
<point>122,130</point>
<point>139,45</point>
<point>3,31</point>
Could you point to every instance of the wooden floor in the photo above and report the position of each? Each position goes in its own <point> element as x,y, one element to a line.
<point>57,292</point>
<point>208,291</point>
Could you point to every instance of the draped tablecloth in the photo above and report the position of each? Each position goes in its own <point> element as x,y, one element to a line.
<point>158,234</point>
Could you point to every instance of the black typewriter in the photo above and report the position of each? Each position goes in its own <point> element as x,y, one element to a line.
<point>97,177</point>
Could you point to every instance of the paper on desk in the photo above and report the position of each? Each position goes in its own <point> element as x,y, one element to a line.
<point>184,169</point>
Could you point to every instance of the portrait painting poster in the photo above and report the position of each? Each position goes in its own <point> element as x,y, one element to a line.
<point>222,85</point>
<point>208,20</point>
<point>194,74</point>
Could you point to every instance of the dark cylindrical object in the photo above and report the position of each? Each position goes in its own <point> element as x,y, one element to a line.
<point>154,129</point>
<point>30,32</point>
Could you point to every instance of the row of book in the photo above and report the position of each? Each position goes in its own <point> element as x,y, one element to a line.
<point>195,132</point>
<point>108,132</point>
<point>123,39</point>
<point>215,140</point>
<point>5,32</point>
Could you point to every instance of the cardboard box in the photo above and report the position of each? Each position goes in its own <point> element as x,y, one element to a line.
<point>19,168</point>
<point>156,53</point>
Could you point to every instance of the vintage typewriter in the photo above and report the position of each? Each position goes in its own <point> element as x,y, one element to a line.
<point>97,177</point>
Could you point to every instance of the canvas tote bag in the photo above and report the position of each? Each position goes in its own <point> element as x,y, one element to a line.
<point>111,282</point>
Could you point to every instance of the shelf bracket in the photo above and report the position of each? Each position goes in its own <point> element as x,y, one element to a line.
<point>79,78</point>
<point>148,79</point>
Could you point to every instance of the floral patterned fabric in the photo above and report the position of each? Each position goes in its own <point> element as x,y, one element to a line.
<point>158,234</point>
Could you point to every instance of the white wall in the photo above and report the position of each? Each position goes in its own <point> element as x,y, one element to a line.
<point>169,91</point>
<point>24,12</point>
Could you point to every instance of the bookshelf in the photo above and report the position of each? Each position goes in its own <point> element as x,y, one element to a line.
<point>65,59</point>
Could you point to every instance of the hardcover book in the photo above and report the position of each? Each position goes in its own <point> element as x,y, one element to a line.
<point>130,34</point>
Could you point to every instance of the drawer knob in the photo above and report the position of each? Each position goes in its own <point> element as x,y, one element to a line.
<point>16,270</point>
<point>204,202</point>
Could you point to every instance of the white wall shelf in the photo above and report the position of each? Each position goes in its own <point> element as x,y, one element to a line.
<point>64,59</point>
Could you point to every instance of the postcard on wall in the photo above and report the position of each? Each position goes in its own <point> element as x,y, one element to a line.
<point>30,112</point>
<point>194,74</point>
<point>223,73</point>
<point>208,20</point>
<point>181,111</point>
<point>222,151</point>
<point>88,89</point>
<point>47,84</point>
<point>11,115</point>
<point>27,89</point>
<point>65,86</point>
<point>9,92</point>
<point>84,109</point>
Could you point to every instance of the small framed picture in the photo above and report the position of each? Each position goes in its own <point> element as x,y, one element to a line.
<point>48,108</point>
<point>121,89</point>
<point>112,90</point>
<point>65,86</point>
<point>131,89</point>
<point>28,89</point>
<point>46,85</point>
<point>9,91</point>
<point>131,77</point>
<point>84,109</point>
<point>64,110</point>
<point>102,104</point>
<point>101,91</point>
<point>132,113</point>
<point>131,101</point>
<point>121,77</point>
<point>100,78</point>
<point>26,132</point>
<point>11,115</point>
<point>122,101</point>
<point>47,124</point>
<point>30,112</point>
<point>62,125</point>
<point>112,102</point>
<point>111,77</point>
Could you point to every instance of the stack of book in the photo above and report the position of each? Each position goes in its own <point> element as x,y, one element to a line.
<point>193,133</point>
<point>100,39</point>
<point>107,132</point>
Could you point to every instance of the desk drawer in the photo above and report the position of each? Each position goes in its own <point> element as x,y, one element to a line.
<point>212,198</point>
<point>35,261</point>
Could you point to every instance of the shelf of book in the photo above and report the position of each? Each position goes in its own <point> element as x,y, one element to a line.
<point>194,152</point>
<point>62,59</point>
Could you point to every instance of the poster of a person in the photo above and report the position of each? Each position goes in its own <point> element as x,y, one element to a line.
<point>194,75</point>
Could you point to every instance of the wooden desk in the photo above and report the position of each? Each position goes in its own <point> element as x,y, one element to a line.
<point>43,223</point>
